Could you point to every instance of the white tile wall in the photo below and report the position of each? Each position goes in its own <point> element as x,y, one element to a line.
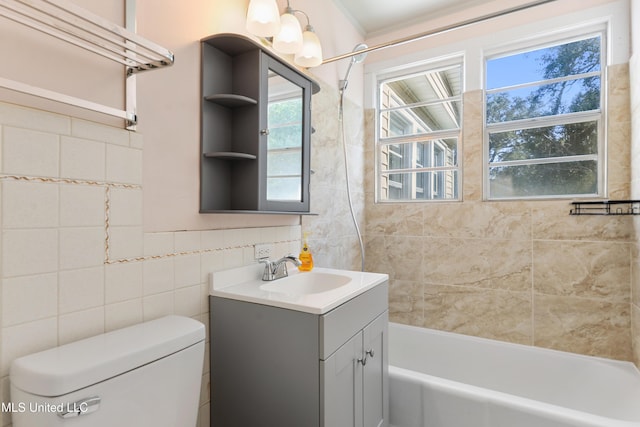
<point>58,285</point>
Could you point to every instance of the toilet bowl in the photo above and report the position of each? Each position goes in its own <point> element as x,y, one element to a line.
<point>147,375</point>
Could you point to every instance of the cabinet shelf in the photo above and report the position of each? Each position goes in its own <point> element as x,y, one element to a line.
<point>231,100</point>
<point>229,155</point>
<point>606,207</point>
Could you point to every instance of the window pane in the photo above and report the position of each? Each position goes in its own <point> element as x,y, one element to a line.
<point>422,120</point>
<point>552,141</point>
<point>544,180</point>
<point>544,100</point>
<point>582,56</point>
<point>428,154</point>
<point>424,87</point>
<point>435,185</point>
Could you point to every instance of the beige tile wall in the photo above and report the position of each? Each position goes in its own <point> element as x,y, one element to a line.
<point>333,239</point>
<point>75,261</point>
<point>634,66</point>
<point>524,272</point>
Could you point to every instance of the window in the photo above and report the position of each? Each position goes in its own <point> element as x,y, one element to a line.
<point>419,118</point>
<point>543,128</point>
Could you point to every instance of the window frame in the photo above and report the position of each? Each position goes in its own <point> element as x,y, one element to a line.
<point>431,138</point>
<point>599,116</point>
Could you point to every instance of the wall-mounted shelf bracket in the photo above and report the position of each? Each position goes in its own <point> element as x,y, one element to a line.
<point>606,207</point>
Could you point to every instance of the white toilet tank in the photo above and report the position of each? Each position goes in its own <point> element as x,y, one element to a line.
<point>147,375</point>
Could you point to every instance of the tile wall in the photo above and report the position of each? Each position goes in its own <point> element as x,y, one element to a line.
<point>634,66</point>
<point>332,236</point>
<point>524,272</point>
<point>75,260</point>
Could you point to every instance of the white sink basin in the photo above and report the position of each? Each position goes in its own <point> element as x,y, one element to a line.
<point>317,291</point>
<point>306,283</point>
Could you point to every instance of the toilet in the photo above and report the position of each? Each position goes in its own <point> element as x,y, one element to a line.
<point>147,375</point>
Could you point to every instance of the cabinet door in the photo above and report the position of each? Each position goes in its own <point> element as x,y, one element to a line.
<point>375,373</point>
<point>342,374</point>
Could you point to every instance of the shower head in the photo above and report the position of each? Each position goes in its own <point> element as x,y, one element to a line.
<point>355,59</point>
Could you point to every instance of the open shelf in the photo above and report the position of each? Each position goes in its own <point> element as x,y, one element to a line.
<point>606,207</point>
<point>229,155</point>
<point>231,100</point>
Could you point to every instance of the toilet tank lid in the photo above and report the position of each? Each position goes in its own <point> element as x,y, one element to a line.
<point>79,364</point>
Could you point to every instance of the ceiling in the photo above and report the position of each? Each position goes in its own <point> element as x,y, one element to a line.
<point>378,16</point>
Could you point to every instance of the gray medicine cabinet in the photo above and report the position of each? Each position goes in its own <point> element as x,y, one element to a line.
<point>255,129</point>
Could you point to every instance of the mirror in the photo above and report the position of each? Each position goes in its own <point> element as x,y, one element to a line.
<point>285,139</point>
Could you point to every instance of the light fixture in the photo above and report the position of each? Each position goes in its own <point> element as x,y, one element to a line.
<point>311,53</point>
<point>263,18</point>
<point>288,37</point>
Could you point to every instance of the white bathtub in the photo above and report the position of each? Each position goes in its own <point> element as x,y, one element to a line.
<point>441,379</point>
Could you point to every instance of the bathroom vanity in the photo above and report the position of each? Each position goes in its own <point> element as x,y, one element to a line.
<point>306,350</point>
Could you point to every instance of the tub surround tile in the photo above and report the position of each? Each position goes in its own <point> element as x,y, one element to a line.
<point>597,270</point>
<point>404,219</point>
<point>581,325</point>
<point>406,302</point>
<point>495,264</point>
<point>490,220</point>
<point>485,313</point>
<point>551,221</point>
<point>472,132</point>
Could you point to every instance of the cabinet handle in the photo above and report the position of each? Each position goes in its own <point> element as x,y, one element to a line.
<point>367,353</point>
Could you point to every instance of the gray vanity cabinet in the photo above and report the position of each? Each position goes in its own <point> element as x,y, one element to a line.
<point>274,367</point>
<point>255,129</point>
<point>355,394</point>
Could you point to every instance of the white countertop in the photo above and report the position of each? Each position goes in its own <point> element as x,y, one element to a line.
<point>245,284</point>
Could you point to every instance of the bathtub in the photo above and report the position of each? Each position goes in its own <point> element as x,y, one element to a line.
<point>441,379</point>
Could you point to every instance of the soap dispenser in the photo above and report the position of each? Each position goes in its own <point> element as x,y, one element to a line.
<point>305,256</point>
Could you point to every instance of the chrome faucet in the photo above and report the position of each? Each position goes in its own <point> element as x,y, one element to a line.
<point>278,269</point>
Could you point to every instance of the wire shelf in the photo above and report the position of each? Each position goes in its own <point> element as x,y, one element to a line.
<point>606,207</point>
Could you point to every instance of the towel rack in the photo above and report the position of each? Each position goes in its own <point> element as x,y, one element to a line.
<point>70,23</point>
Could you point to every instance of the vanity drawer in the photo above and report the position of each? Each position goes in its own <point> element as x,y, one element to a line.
<point>343,322</point>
